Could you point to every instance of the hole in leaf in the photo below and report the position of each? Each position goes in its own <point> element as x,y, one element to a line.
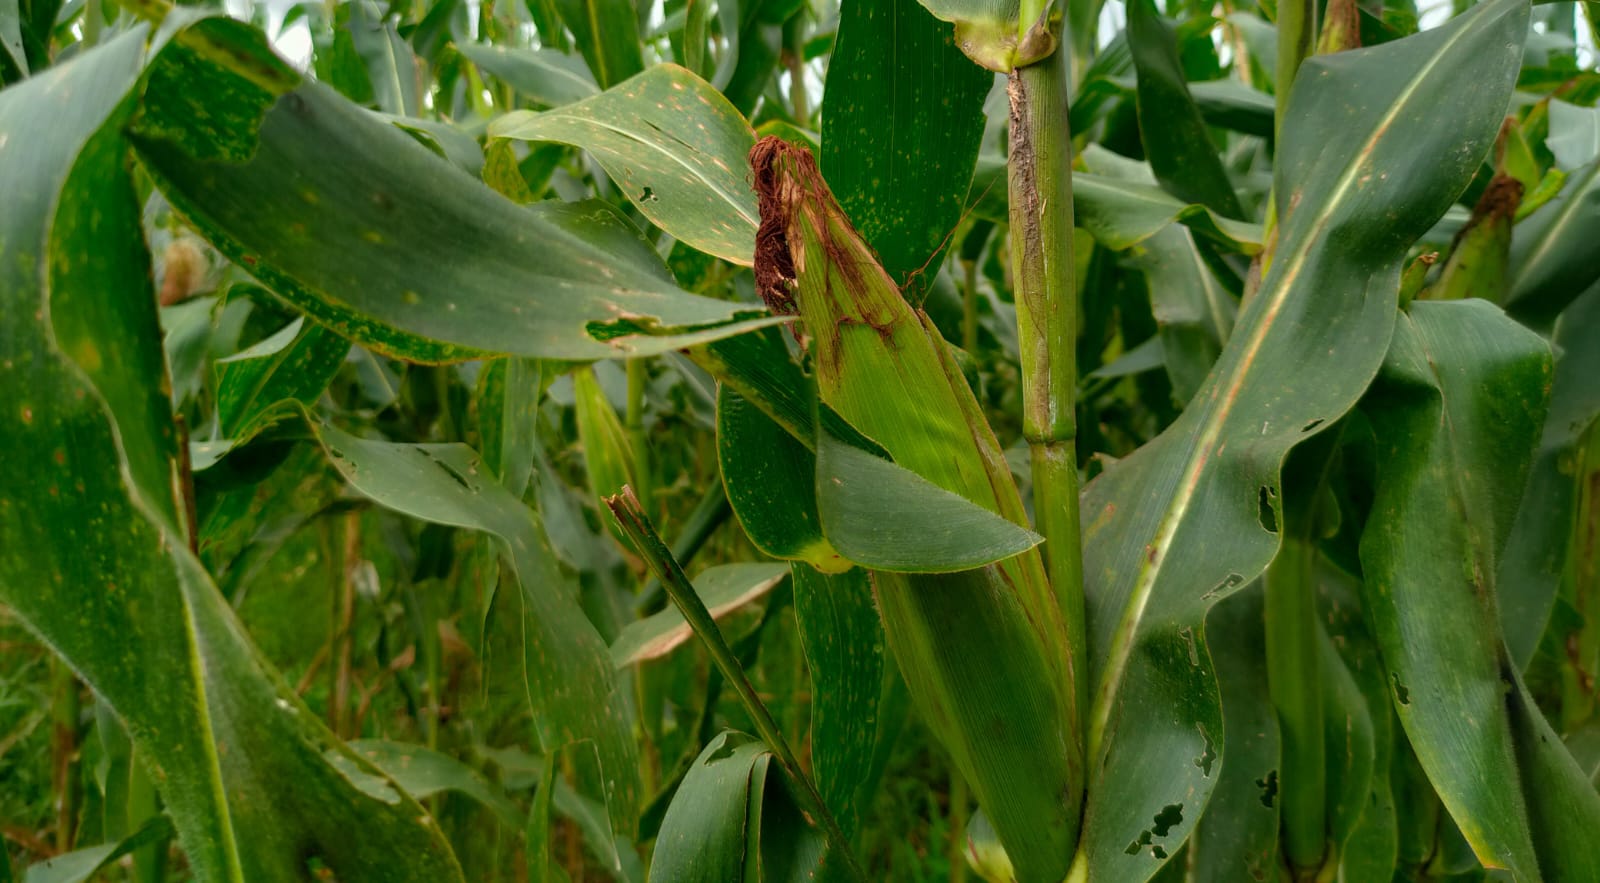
<point>1208,754</point>
<point>1401,694</point>
<point>1311,425</point>
<point>1269,788</point>
<point>1142,842</point>
<point>1267,509</point>
<point>1170,816</point>
<point>1233,581</point>
<point>1158,853</point>
<point>648,195</point>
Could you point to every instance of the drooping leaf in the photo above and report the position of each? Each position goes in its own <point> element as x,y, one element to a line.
<point>1174,133</point>
<point>423,772</point>
<point>901,132</point>
<point>1536,554</point>
<point>82,864</point>
<point>567,672</point>
<point>96,555</point>
<point>390,246</point>
<point>1192,515</point>
<point>543,76</point>
<point>296,363</point>
<point>724,589</point>
<point>1457,411</point>
<point>674,146</point>
<point>886,517</point>
<point>703,837</point>
<point>607,33</point>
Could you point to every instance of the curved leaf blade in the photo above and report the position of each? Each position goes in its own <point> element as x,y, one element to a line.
<point>1194,514</point>
<point>1458,410</point>
<point>371,234</point>
<point>674,146</point>
<point>543,76</point>
<point>95,553</point>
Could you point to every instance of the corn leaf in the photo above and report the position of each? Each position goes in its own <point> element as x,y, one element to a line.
<point>124,601</point>
<point>901,134</point>
<point>1457,410</point>
<point>1194,514</point>
<point>674,146</point>
<point>390,246</point>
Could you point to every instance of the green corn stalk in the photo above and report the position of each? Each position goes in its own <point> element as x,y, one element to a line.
<point>985,653</point>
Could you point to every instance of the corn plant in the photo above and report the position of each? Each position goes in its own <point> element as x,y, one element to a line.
<point>1039,442</point>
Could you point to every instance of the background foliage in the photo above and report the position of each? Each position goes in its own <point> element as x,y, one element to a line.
<point>330,330</point>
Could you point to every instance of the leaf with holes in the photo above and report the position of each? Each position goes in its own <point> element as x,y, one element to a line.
<point>1362,172</point>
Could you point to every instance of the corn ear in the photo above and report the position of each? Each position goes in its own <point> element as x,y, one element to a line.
<point>1480,257</point>
<point>984,652</point>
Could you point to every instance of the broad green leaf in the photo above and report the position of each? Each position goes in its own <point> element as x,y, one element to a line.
<point>843,642</point>
<point>1531,568</point>
<point>296,363</point>
<point>543,76</point>
<point>509,391</point>
<point>901,132</point>
<point>729,822</point>
<point>390,246</point>
<point>992,34</point>
<point>1552,255</point>
<point>1195,313</point>
<point>1121,206</point>
<point>1174,133</point>
<point>82,864</point>
<point>883,516</point>
<point>1117,203</point>
<point>423,772</point>
<point>771,483</point>
<point>1457,411</point>
<point>97,560</point>
<point>607,33</point>
<point>391,67</point>
<point>724,589</point>
<point>1192,515</point>
<point>1239,831</point>
<point>674,146</point>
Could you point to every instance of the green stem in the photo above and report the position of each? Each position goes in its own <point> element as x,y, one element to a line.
<point>1294,677</point>
<point>1047,312</point>
<point>634,523</point>
<point>969,304</point>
